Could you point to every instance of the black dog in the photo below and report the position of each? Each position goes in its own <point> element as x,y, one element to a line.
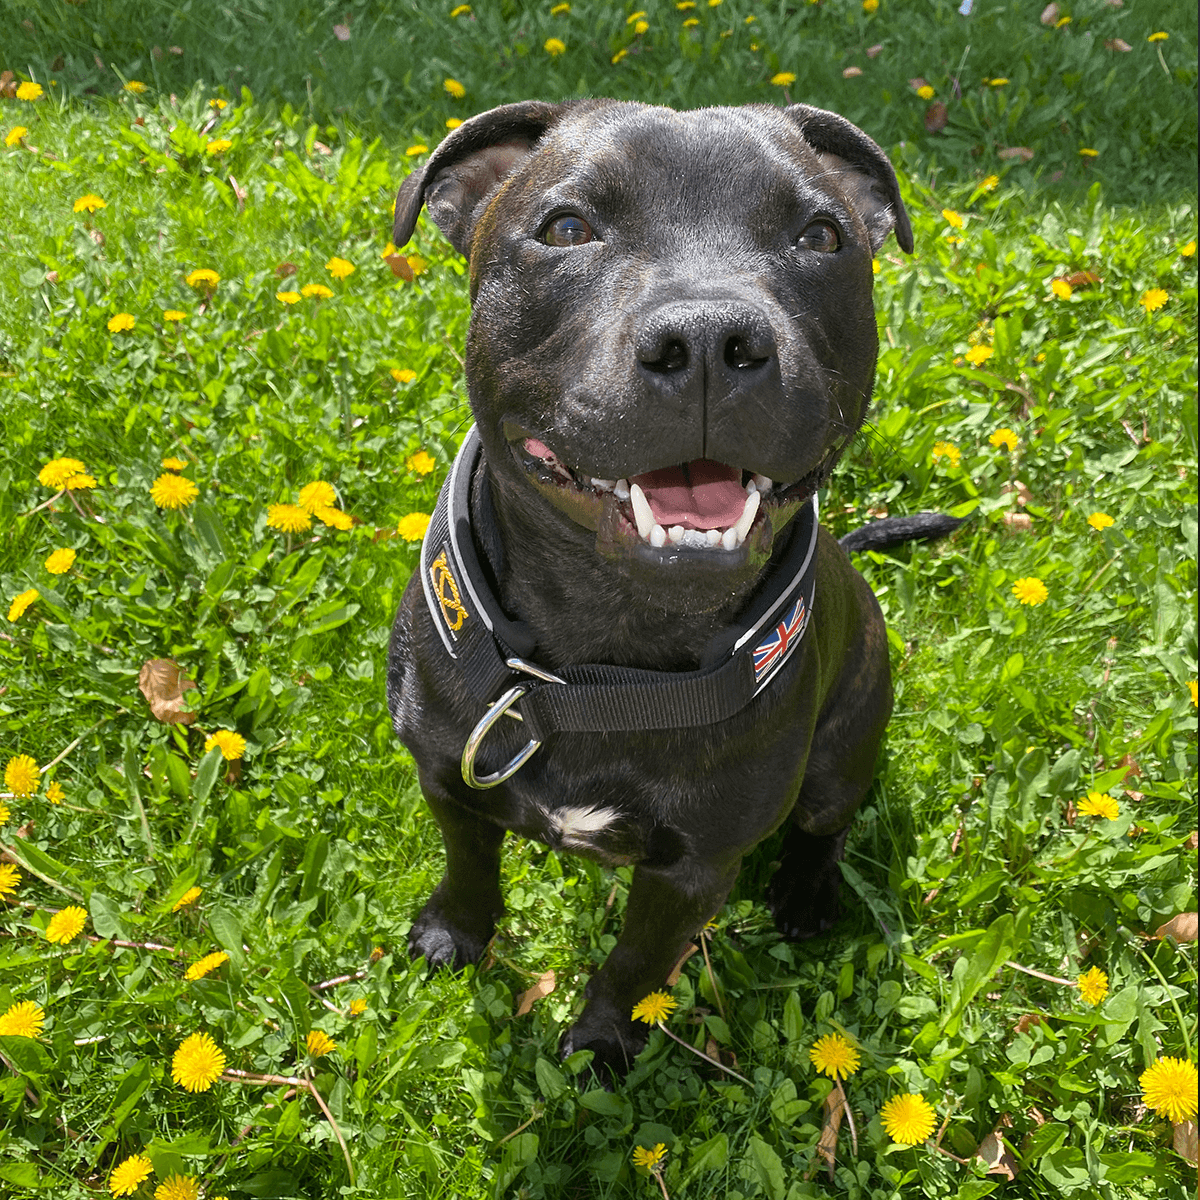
<point>672,342</point>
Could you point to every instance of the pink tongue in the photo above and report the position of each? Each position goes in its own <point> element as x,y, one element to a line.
<point>699,495</point>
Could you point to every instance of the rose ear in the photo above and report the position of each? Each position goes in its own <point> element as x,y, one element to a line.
<point>467,168</point>
<point>861,168</point>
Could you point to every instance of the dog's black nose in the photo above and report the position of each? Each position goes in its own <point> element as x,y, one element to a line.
<point>718,336</point>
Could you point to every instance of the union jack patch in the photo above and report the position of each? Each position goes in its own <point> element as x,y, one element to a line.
<point>773,651</point>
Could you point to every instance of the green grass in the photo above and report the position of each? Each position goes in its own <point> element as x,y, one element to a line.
<point>970,852</point>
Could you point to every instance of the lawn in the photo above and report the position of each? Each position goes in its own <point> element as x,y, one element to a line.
<point>211,884</point>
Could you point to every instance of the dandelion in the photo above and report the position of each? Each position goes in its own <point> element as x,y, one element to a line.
<point>947,450</point>
<point>413,152</point>
<point>869,6</point>
<point>129,1175</point>
<point>1088,152</point>
<point>334,517</point>
<point>1169,1087</point>
<point>358,1007</point>
<point>22,1020</point>
<point>1093,986</point>
<point>55,793</point>
<point>418,264</point>
<point>173,315</point>
<point>997,82</point>
<point>422,462</point>
<point>316,289</point>
<point>15,135</point>
<point>20,603</point>
<point>317,494</point>
<point>654,1008</point>
<point>926,92</point>
<point>5,812</point>
<point>188,897</point>
<point>640,27</point>
<point>989,183</point>
<point>560,9</point>
<point>203,279</point>
<point>783,79</point>
<point>1192,691</point>
<point>121,323</point>
<point>453,122</point>
<point>89,203</point>
<point>1061,288</point>
<point>339,268</point>
<point>21,776</point>
<point>908,1120</point>
<point>402,374</point>
<point>288,518</point>
<point>454,88</point>
<point>218,146</point>
<point>1188,249</point>
<point>178,1187</point>
<point>835,1056</point>
<point>1160,36</point>
<point>205,965</point>
<point>554,47</point>
<point>412,526</point>
<point>1098,804</point>
<point>978,355</point>
<point>173,491</point>
<point>56,472</point>
<point>1154,299</point>
<point>460,11</point>
<point>232,745</point>
<point>953,219</point>
<point>218,104</point>
<point>29,91</point>
<point>684,5</point>
<point>1005,438</point>
<point>318,1043</point>
<point>1031,590</point>
<point>1100,520</point>
<point>136,86</point>
<point>198,1063</point>
<point>616,58</point>
<point>649,1158</point>
<point>174,464</point>
<point>60,561</point>
<point>10,877</point>
<point>66,925</point>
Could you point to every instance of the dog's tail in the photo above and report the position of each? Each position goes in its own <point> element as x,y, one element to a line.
<point>891,531</point>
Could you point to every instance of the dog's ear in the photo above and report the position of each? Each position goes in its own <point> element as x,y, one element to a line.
<point>862,169</point>
<point>467,167</point>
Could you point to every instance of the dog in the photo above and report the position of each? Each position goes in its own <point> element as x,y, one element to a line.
<point>629,637</point>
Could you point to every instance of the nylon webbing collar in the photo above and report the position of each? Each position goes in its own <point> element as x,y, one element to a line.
<point>596,698</point>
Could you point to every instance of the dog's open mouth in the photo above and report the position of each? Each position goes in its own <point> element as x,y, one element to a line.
<point>699,510</point>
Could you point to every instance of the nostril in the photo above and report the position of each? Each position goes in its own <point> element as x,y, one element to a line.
<point>674,357</point>
<point>740,356</point>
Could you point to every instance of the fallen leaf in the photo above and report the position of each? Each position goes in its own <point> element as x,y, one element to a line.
<point>8,85</point>
<point>156,52</point>
<point>1135,797</point>
<point>1081,279</point>
<point>239,192</point>
<point>1027,1022</point>
<point>400,267</point>
<point>51,276</point>
<point>851,72</point>
<point>677,969</point>
<point>1036,1115</point>
<point>545,984</point>
<point>321,148</point>
<point>1193,841</point>
<point>936,117</point>
<point>1182,928</point>
<point>874,51</point>
<point>341,32</point>
<point>1050,14</point>
<point>993,1153</point>
<point>1185,1141</point>
<point>720,1054</point>
<point>1118,44</point>
<point>164,683</point>
<point>1022,152</point>
<point>916,83</point>
<point>1134,770</point>
<point>286,269</point>
<point>175,49</point>
<point>1021,522</point>
<point>835,1110</point>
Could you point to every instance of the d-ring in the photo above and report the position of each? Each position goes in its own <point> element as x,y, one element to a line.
<point>492,715</point>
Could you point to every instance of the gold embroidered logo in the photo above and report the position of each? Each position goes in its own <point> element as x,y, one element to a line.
<point>446,589</point>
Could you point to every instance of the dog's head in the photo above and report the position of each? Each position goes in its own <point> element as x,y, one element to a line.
<point>672,337</point>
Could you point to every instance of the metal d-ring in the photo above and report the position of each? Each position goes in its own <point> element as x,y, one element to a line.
<point>502,707</point>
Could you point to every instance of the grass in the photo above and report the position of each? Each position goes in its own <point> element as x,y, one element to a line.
<point>314,851</point>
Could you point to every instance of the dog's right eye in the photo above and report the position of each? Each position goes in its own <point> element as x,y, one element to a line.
<point>567,231</point>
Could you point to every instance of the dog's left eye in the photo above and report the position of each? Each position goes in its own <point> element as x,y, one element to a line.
<point>821,236</point>
<point>567,231</point>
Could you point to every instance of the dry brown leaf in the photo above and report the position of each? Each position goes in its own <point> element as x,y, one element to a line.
<point>1022,152</point>
<point>286,269</point>
<point>673,978</point>
<point>719,1053</point>
<point>1050,14</point>
<point>1193,841</point>
<point>164,683</point>
<point>8,85</point>
<point>1027,1022</point>
<point>1082,279</point>
<point>993,1153</point>
<point>1118,44</point>
<point>873,51</point>
<point>341,32</point>
<point>916,83</point>
<point>851,72</point>
<point>1185,1141</point>
<point>936,117</point>
<point>1021,522</point>
<point>546,983</point>
<point>1182,928</point>
<point>400,267</point>
<point>1024,495</point>
<point>835,1110</point>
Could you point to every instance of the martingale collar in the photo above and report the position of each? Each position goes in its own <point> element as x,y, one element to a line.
<point>491,649</point>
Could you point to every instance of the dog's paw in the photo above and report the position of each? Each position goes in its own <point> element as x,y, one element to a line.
<point>443,944</point>
<point>802,911</point>
<point>613,1048</point>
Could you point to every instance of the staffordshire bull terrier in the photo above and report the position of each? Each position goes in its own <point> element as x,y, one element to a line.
<point>629,638</point>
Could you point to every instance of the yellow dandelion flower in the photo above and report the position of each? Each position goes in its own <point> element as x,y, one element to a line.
<point>418,264</point>
<point>56,472</point>
<point>20,603</point>
<point>554,47</point>
<point>22,1020</point>
<point>453,122</point>
<point>136,86</point>
<point>288,297</point>
<point>1093,986</point>
<point>1169,1087</point>
<point>1160,36</point>
<point>218,104</point>
<point>174,464</point>
<point>649,1158</point>
<point>188,897</point>
<point>1061,288</point>
<point>318,1043</point>
<point>989,183</point>
<point>454,88</point>
<point>173,315</point>
<point>339,268</point>
<point>21,775</point>
<point>232,745</point>
<point>1192,687</point>
<point>640,27</point>
<point>66,925</point>
<point>317,494</point>
<point>29,91</point>
<point>1005,438</point>
<point>55,793</point>
<point>422,462</point>
<point>173,491</point>
<point>783,78</point>
<point>15,135</point>
<point>288,518</point>
<point>997,82</point>
<point>1154,299</point>
<point>1188,249</point>
<point>1088,152</point>
<point>61,561</point>
<point>1100,520</point>
<point>978,355</point>
<point>953,219</point>
<point>128,1176</point>
<point>460,11</point>
<point>334,517</point>
<point>10,877</point>
<point>412,152</point>
<point>1098,804</point>
<point>1062,21</point>
<point>835,1056</point>
<point>412,526</point>
<point>869,6</point>
<point>875,266</point>
<point>908,1120</point>
<point>316,289</point>
<point>203,966</point>
<point>657,1006</point>
<point>218,146</point>
<point>358,1007</point>
<point>178,1187</point>
<point>80,481</point>
<point>685,5</point>
<point>926,92</point>
<point>616,58</point>
<point>198,1063</point>
<point>121,323</point>
<point>1031,590</point>
<point>559,9</point>
<point>947,450</point>
<point>5,812</point>
<point>89,203</point>
<point>203,278</point>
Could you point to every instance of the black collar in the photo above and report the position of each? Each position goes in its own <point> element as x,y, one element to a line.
<point>491,649</point>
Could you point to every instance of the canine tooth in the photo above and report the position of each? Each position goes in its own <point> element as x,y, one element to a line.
<point>604,485</point>
<point>658,536</point>
<point>729,538</point>
<point>621,489</point>
<point>762,483</point>
<point>747,518</point>
<point>713,537</point>
<point>675,533</point>
<point>642,513</point>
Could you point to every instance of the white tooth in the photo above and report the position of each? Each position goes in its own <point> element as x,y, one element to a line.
<point>713,536</point>
<point>747,518</point>
<point>604,485</point>
<point>675,533</point>
<point>695,539</point>
<point>762,483</point>
<point>729,538</point>
<point>641,511</point>
<point>658,536</point>
<point>621,489</point>
<point>751,487</point>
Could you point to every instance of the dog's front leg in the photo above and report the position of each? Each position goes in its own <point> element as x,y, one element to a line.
<point>667,906</point>
<point>458,920</point>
